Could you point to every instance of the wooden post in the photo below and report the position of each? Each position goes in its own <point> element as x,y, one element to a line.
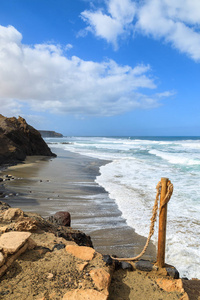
<point>162,225</point>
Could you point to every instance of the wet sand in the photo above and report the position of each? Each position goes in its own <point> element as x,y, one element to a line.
<point>66,183</point>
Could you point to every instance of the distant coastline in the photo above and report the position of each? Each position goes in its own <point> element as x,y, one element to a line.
<point>48,133</point>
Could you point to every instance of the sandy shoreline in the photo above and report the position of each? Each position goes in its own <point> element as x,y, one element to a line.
<point>45,185</point>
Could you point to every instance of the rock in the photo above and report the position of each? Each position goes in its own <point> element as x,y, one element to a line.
<point>31,244</point>
<point>101,279</point>
<point>26,225</point>
<point>81,239</point>
<point>4,206</point>
<point>49,276</point>
<point>185,297</point>
<point>11,242</point>
<point>12,214</point>
<point>108,260</point>
<point>87,294</point>
<point>12,258</point>
<point>81,252</point>
<point>82,266</point>
<point>61,218</point>
<point>42,250</point>
<point>126,266</point>
<point>58,247</point>
<point>172,272</point>
<point>123,265</point>
<point>144,265</point>
<point>170,285</point>
<point>18,139</point>
<point>2,259</point>
<point>4,229</point>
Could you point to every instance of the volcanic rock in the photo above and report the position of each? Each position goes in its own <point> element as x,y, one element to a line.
<point>61,218</point>
<point>18,139</point>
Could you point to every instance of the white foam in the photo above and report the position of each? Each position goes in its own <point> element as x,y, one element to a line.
<point>131,178</point>
<point>132,185</point>
<point>179,158</point>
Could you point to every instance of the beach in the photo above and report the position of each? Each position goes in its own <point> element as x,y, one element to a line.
<point>135,166</point>
<point>67,183</point>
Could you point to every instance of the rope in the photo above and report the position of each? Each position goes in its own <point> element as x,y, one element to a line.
<point>153,218</point>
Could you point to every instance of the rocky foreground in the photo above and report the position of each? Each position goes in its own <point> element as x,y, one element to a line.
<point>18,139</point>
<point>40,259</point>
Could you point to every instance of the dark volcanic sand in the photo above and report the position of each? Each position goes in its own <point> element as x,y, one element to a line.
<point>45,186</point>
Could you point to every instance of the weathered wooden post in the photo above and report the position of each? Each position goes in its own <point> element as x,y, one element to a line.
<point>162,225</point>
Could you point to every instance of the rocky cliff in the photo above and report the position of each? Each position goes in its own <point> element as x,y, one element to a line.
<point>18,139</point>
<point>47,133</point>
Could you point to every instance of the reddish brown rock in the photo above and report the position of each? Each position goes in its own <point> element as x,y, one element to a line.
<point>82,252</point>
<point>170,285</point>
<point>101,279</point>
<point>61,218</point>
<point>185,297</point>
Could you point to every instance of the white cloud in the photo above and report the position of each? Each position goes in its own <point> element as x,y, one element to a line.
<point>9,107</point>
<point>43,78</point>
<point>176,22</point>
<point>115,23</point>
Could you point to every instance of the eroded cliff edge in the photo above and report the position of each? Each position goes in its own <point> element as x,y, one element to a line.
<point>18,139</point>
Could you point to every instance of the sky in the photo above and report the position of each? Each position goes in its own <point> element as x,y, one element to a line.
<point>102,67</point>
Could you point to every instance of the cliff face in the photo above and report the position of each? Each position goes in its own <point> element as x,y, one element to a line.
<point>47,133</point>
<point>18,139</point>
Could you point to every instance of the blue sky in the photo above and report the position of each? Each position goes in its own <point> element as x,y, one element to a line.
<point>102,67</point>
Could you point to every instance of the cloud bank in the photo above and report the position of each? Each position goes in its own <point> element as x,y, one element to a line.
<point>176,22</point>
<point>45,79</point>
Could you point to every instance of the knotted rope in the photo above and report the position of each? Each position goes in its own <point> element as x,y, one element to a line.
<point>153,218</point>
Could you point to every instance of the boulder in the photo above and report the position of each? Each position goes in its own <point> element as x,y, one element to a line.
<point>11,258</point>
<point>18,139</point>
<point>12,241</point>
<point>172,272</point>
<point>61,218</point>
<point>101,279</point>
<point>144,265</point>
<point>12,214</point>
<point>81,252</point>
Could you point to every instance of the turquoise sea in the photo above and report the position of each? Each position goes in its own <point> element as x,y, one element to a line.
<point>135,166</point>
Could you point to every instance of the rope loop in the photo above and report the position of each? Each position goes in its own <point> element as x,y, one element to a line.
<point>153,218</point>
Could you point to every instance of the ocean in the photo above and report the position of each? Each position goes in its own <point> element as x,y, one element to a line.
<point>135,166</point>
